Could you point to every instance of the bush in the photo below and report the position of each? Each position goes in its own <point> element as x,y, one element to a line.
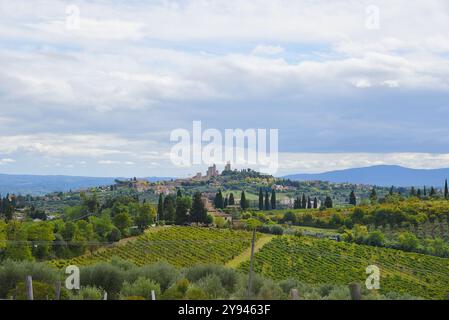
<point>88,293</point>
<point>12,273</point>
<point>160,272</point>
<point>212,287</point>
<point>104,276</point>
<point>195,293</point>
<point>41,291</point>
<point>270,291</point>
<point>176,291</point>
<point>141,287</point>
<point>228,277</point>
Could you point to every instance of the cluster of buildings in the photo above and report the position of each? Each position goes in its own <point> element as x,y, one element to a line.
<point>211,172</point>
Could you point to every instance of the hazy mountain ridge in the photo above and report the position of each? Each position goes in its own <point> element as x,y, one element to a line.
<point>43,184</point>
<point>382,175</point>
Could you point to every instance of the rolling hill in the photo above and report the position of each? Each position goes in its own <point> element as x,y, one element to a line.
<point>383,175</point>
<point>43,184</point>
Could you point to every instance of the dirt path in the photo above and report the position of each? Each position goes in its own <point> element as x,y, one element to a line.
<point>245,255</point>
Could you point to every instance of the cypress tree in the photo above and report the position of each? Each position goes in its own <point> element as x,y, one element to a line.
<point>267,201</point>
<point>273,200</point>
<point>260,199</point>
<point>198,213</point>
<point>352,198</point>
<point>218,201</point>
<point>315,203</point>
<point>446,190</point>
<point>304,201</point>
<point>309,203</point>
<point>373,196</point>
<point>412,192</point>
<point>231,201</point>
<point>328,202</point>
<point>243,202</point>
<point>169,209</point>
<point>391,190</point>
<point>297,203</point>
<point>432,193</point>
<point>160,207</point>
<point>425,191</point>
<point>183,205</point>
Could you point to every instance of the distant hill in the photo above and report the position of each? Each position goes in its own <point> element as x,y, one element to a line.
<point>383,175</point>
<point>40,185</point>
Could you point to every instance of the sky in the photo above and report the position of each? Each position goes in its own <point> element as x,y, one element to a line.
<point>94,88</point>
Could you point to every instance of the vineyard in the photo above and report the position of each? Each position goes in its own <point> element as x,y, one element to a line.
<point>325,261</point>
<point>179,246</point>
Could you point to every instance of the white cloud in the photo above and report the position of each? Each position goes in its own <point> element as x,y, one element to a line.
<point>108,162</point>
<point>6,161</point>
<point>267,50</point>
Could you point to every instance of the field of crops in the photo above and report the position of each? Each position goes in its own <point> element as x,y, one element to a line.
<point>179,246</point>
<point>326,261</point>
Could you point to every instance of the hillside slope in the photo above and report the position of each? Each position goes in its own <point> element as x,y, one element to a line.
<point>318,261</point>
<point>380,175</point>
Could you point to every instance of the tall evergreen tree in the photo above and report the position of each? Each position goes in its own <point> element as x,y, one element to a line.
<point>218,201</point>
<point>446,190</point>
<point>273,200</point>
<point>412,192</point>
<point>231,201</point>
<point>432,193</point>
<point>352,198</point>
<point>373,196</point>
<point>391,190</point>
<point>198,213</point>
<point>418,193</point>
<point>425,192</point>
<point>309,203</point>
<point>183,205</point>
<point>315,203</point>
<point>297,203</point>
<point>178,193</point>
<point>304,201</point>
<point>243,201</point>
<point>267,201</point>
<point>260,199</point>
<point>160,207</point>
<point>328,202</point>
<point>226,201</point>
<point>169,209</point>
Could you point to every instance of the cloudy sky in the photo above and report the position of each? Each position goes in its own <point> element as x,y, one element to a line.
<point>96,87</point>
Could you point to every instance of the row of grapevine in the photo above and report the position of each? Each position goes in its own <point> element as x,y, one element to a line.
<point>326,261</point>
<point>179,246</point>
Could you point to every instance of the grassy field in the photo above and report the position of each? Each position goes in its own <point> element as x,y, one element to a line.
<point>325,261</point>
<point>180,246</point>
<point>246,255</point>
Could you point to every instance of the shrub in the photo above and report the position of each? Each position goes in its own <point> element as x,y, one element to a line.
<point>104,276</point>
<point>141,287</point>
<point>41,291</point>
<point>212,287</point>
<point>228,277</point>
<point>11,273</point>
<point>88,293</point>
<point>195,293</point>
<point>160,272</point>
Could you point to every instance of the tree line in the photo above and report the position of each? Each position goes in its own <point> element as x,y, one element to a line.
<point>182,209</point>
